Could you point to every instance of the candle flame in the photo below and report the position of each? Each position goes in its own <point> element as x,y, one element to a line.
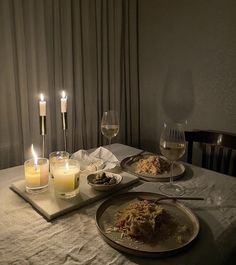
<point>34,155</point>
<point>63,94</point>
<point>41,97</point>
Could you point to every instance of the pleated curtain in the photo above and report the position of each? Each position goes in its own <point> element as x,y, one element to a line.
<point>89,49</point>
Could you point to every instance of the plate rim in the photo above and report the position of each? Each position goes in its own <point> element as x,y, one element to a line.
<point>143,253</point>
<point>147,177</point>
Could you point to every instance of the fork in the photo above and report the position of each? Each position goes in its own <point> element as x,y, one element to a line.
<point>171,198</point>
<point>132,158</point>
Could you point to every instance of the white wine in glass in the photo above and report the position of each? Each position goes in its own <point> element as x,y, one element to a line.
<point>110,124</point>
<point>172,151</point>
<point>110,131</point>
<point>172,146</point>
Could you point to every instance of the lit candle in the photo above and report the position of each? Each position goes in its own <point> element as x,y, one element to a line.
<point>42,106</point>
<point>66,177</point>
<point>34,155</point>
<point>63,102</point>
<point>36,173</point>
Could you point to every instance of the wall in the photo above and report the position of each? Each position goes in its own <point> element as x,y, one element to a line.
<point>187,52</point>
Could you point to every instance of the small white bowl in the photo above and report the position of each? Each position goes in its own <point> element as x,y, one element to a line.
<point>104,187</point>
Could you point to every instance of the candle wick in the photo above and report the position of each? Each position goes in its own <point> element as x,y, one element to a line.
<point>35,166</point>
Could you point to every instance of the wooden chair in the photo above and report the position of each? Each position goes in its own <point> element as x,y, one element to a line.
<point>217,150</point>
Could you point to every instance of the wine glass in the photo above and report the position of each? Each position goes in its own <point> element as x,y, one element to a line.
<point>110,124</point>
<point>172,146</point>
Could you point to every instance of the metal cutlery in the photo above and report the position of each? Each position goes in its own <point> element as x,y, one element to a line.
<point>134,157</point>
<point>161,198</point>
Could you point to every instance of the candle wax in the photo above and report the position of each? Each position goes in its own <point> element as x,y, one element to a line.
<point>42,108</point>
<point>63,105</point>
<point>66,179</point>
<point>32,176</point>
<point>36,175</point>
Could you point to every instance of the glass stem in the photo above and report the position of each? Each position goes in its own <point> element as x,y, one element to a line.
<point>171,172</point>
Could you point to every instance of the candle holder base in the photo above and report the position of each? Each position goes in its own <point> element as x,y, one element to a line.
<point>67,195</point>
<point>37,189</point>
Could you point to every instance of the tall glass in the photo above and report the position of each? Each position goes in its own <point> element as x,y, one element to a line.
<point>172,146</point>
<point>110,124</point>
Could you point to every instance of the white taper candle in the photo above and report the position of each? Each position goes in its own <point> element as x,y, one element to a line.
<point>42,106</point>
<point>63,102</point>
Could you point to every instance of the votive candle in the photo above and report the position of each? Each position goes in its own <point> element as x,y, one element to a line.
<point>36,173</point>
<point>66,178</point>
<point>57,158</point>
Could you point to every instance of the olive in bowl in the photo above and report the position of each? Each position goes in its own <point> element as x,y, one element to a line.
<point>103,181</point>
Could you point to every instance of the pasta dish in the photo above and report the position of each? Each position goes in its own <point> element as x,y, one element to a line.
<point>153,165</point>
<point>141,220</point>
<point>145,221</point>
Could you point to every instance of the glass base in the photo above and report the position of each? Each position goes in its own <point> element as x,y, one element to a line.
<point>171,189</point>
<point>67,195</point>
<point>36,190</point>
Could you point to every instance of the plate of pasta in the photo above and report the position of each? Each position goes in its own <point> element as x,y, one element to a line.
<point>152,167</point>
<point>145,228</point>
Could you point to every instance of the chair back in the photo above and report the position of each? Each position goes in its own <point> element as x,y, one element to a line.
<point>217,150</point>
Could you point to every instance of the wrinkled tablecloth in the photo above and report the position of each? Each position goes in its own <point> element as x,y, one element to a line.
<point>27,238</point>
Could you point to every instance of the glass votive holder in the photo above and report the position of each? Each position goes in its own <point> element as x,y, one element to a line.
<point>36,175</point>
<point>57,158</point>
<point>66,178</point>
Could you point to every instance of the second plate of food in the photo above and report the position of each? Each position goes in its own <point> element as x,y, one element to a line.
<point>152,167</point>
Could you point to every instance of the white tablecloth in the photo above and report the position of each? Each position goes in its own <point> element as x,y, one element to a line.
<point>27,238</point>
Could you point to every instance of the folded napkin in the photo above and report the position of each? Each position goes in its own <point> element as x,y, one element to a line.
<point>100,159</point>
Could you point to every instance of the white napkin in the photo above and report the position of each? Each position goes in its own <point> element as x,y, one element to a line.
<point>100,159</point>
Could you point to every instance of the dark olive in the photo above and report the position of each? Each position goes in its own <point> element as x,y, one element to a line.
<point>103,179</point>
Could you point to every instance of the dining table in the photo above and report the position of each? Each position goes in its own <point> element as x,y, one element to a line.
<point>27,238</point>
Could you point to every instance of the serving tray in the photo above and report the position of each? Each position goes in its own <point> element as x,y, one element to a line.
<point>50,206</point>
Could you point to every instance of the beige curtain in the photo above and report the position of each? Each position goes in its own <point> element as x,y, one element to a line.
<point>89,49</point>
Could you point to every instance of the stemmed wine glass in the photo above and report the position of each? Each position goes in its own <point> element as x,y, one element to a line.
<point>110,124</point>
<point>172,146</point>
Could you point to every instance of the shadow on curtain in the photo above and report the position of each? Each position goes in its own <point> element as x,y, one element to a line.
<point>87,48</point>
